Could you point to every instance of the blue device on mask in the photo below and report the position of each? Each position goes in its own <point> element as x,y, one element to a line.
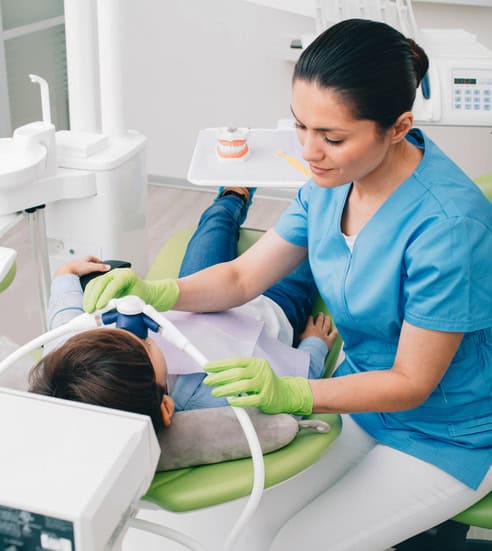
<point>138,324</point>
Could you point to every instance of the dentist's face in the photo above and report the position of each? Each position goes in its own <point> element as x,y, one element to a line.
<point>338,147</point>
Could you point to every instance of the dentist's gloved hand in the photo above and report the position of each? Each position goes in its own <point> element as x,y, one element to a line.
<point>265,390</point>
<point>162,294</point>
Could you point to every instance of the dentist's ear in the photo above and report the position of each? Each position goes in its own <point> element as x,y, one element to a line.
<point>167,409</point>
<point>402,126</point>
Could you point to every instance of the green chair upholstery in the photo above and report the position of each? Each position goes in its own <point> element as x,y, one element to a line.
<point>480,514</point>
<point>197,487</point>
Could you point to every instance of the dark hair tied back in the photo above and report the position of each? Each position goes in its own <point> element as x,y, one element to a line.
<point>419,59</point>
<point>371,65</point>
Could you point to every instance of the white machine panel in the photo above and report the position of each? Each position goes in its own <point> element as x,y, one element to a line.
<point>460,80</point>
<point>69,472</point>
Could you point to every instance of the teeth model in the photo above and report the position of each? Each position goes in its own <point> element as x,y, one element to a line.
<point>232,143</point>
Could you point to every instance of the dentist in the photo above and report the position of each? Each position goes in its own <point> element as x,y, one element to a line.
<point>399,241</point>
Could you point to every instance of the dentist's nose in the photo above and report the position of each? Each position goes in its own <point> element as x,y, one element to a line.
<point>312,150</point>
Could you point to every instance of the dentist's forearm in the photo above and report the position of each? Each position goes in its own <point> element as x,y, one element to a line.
<point>212,290</point>
<point>233,283</point>
<point>363,392</point>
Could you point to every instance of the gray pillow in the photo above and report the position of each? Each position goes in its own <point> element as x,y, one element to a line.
<point>205,436</point>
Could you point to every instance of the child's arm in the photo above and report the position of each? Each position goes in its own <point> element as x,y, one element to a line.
<point>317,339</point>
<point>66,293</point>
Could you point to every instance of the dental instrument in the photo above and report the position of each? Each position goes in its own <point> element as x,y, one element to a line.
<point>295,163</point>
<point>132,314</point>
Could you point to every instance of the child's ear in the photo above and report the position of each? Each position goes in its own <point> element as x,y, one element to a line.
<point>167,409</point>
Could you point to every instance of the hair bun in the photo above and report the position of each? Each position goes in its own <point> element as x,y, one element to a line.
<point>419,59</point>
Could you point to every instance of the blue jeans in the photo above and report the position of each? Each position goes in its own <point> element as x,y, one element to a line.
<point>215,240</point>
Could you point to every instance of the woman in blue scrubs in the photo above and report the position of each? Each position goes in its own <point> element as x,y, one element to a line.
<point>400,244</point>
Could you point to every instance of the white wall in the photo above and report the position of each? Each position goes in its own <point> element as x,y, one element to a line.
<point>194,64</point>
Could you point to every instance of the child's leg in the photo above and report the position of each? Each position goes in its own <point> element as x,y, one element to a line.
<point>215,239</point>
<point>295,294</point>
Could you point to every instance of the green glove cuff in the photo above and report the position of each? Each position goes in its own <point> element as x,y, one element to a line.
<point>297,395</point>
<point>162,294</point>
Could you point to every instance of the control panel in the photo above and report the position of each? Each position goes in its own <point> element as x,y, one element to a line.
<point>472,90</point>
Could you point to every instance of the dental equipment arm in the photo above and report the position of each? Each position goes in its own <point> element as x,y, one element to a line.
<point>162,294</point>
<point>263,388</point>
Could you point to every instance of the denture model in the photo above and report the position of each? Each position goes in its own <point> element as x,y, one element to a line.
<point>232,143</point>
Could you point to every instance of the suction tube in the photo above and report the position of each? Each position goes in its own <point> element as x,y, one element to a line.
<point>169,332</point>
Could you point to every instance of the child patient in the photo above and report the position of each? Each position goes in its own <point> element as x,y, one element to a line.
<point>113,368</point>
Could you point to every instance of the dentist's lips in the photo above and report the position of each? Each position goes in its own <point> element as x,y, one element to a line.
<point>320,171</point>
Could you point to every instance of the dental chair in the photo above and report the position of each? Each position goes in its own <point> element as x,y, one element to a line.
<point>205,501</point>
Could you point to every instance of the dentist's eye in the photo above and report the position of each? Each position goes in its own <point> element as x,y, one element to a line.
<point>333,142</point>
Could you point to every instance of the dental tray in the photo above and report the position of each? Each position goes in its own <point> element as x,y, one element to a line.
<point>274,160</point>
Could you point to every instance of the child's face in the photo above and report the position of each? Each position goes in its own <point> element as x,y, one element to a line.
<point>156,357</point>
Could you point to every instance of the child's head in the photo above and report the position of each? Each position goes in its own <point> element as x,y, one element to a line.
<point>107,367</point>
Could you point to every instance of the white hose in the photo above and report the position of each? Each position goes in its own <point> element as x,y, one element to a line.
<point>80,323</point>
<point>166,532</point>
<point>170,332</point>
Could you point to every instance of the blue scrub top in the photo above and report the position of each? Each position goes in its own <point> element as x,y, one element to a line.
<point>424,257</point>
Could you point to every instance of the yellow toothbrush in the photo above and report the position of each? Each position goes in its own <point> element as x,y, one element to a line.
<point>295,163</point>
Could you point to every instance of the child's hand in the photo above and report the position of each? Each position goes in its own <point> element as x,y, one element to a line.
<point>323,328</point>
<point>83,266</point>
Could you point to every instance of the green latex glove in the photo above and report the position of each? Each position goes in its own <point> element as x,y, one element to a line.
<point>162,294</point>
<point>265,390</point>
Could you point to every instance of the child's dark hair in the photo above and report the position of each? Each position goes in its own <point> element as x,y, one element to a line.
<point>370,64</point>
<point>103,367</point>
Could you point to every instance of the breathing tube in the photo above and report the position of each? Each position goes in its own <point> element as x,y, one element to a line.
<point>132,314</point>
